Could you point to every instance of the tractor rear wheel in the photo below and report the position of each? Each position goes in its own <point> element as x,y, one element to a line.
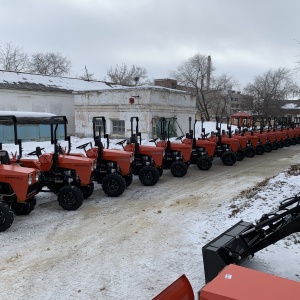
<point>6,217</point>
<point>204,163</point>
<point>178,168</point>
<point>229,158</point>
<point>70,197</point>
<point>88,190</point>
<point>113,185</point>
<point>24,208</point>
<point>128,179</point>
<point>149,176</point>
<point>250,151</point>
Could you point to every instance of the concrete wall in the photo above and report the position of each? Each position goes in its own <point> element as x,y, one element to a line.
<point>149,103</point>
<point>31,101</point>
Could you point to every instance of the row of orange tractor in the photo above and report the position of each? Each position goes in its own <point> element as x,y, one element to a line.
<point>71,176</point>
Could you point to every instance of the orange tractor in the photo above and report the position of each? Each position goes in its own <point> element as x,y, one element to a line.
<point>148,160</point>
<point>18,185</point>
<point>177,155</point>
<point>114,167</point>
<point>69,177</point>
<point>222,257</point>
<point>226,147</point>
<point>203,151</point>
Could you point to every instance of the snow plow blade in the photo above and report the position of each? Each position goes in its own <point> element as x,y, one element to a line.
<point>180,289</point>
<point>214,258</point>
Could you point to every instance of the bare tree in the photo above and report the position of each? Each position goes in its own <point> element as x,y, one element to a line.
<point>13,58</point>
<point>127,76</point>
<point>50,64</point>
<point>196,73</point>
<point>87,76</point>
<point>268,89</point>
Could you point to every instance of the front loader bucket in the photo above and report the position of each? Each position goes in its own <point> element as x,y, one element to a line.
<point>214,258</point>
<point>180,289</point>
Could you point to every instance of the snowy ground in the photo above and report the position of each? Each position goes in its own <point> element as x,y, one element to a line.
<point>133,246</point>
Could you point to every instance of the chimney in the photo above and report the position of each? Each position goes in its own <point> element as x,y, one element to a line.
<point>208,71</point>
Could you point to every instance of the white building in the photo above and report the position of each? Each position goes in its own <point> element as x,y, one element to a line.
<point>81,100</point>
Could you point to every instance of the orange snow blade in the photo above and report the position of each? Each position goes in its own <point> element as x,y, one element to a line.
<point>180,289</point>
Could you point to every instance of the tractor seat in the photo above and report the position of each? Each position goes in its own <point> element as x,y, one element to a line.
<point>4,157</point>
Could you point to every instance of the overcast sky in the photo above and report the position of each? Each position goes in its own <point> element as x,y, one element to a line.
<point>244,38</point>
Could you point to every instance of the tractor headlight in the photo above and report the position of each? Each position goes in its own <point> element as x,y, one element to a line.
<point>30,179</point>
<point>37,176</point>
<point>94,165</point>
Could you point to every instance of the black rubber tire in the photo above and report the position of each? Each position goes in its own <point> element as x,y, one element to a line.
<point>275,146</point>
<point>6,217</point>
<point>70,197</point>
<point>204,163</point>
<point>240,154</point>
<point>287,143</point>
<point>149,175</point>
<point>250,151</point>
<point>24,208</point>
<point>229,158</point>
<point>113,185</point>
<point>128,179</point>
<point>280,144</point>
<point>260,150</point>
<point>268,147</point>
<point>160,171</point>
<point>87,191</point>
<point>178,168</point>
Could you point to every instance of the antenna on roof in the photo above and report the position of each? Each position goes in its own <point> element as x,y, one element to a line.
<point>87,74</point>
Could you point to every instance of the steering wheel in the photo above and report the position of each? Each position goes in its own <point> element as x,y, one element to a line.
<point>34,152</point>
<point>121,142</point>
<point>153,140</point>
<point>83,146</point>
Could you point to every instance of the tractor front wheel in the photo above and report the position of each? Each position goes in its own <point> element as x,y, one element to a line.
<point>204,163</point>
<point>88,190</point>
<point>229,158</point>
<point>24,208</point>
<point>148,176</point>
<point>240,154</point>
<point>178,168</point>
<point>6,217</point>
<point>250,151</point>
<point>268,147</point>
<point>128,179</point>
<point>260,150</point>
<point>113,185</point>
<point>70,197</point>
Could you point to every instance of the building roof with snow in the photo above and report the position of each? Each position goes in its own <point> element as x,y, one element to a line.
<point>47,83</point>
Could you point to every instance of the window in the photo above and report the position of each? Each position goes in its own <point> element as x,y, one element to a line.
<point>99,124</point>
<point>118,127</point>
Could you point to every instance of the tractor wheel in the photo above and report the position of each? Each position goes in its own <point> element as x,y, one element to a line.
<point>6,217</point>
<point>260,150</point>
<point>229,158</point>
<point>70,197</point>
<point>250,151</point>
<point>24,208</point>
<point>240,154</point>
<point>178,168</point>
<point>275,146</point>
<point>204,163</point>
<point>280,144</point>
<point>88,190</point>
<point>160,171</point>
<point>113,185</point>
<point>128,179</point>
<point>287,143</point>
<point>268,147</point>
<point>293,141</point>
<point>149,176</point>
